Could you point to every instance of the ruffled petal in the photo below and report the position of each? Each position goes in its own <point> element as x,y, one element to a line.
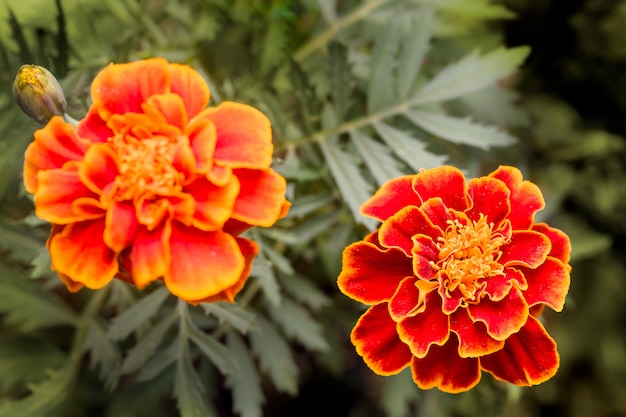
<point>249,249</point>
<point>202,139</point>
<point>427,328</point>
<point>490,198</point>
<point>436,211</point>
<point>529,357</point>
<point>203,264</point>
<point>446,182</point>
<point>474,341</point>
<point>121,226</point>
<point>190,86</point>
<point>376,340</point>
<point>244,135</point>
<point>405,300</point>
<point>150,255</point>
<point>561,246</point>
<point>526,248</point>
<point>59,192</point>
<point>390,198</point>
<point>261,196</point>
<point>424,252</point>
<point>497,287</point>
<point>398,230</point>
<point>54,145</point>
<point>504,317</point>
<point>213,204</point>
<point>526,198</point>
<point>171,107</point>
<point>548,284</point>
<point>123,88</point>
<point>371,275</point>
<point>93,128</point>
<point>99,168</point>
<point>79,252</point>
<point>445,369</point>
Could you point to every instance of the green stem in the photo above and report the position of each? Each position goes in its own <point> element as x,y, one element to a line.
<point>95,302</point>
<point>326,36</point>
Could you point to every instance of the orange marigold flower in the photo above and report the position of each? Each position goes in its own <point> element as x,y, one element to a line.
<point>152,185</point>
<point>456,276</point>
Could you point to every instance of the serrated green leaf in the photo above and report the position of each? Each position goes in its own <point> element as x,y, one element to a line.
<point>380,87</point>
<point>147,345</point>
<point>26,359</point>
<point>303,290</point>
<point>414,47</point>
<point>160,361</point>
<point>398,392</point>
<point>471,73</point>
<point>17,33</point>
<point>212,349</point>
<point>103,354</point>
<point>460,130</point>
<point>275,357</point>
<point>139,313</point>
<point>355,190</point>
<point>278,260</point>
<point>409,149</point>
<point>262,270</point>
<point>377,157</point>
<point>242,320</point>
<point>339,77</point>
<point>273,44</point>
<point>46,398</point>
<point>188,389</point>
<point>247,395</point>
<point>29,306</point>
<point>298,324</point>
<point>309,203</point>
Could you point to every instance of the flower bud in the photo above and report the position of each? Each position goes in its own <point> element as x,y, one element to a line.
<point>38,93</point>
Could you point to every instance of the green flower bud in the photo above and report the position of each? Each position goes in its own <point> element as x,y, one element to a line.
<point>38,93</point>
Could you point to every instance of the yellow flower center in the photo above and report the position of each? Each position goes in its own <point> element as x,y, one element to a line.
<point>468,254</point>
<point>146,167</point>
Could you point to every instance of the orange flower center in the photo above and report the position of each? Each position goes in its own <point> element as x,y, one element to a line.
<point>146,167</point>
<point>468,254</point>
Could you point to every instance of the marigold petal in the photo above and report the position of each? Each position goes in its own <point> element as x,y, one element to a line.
<point>529,357</point>
<point>424,252</point>
<point>93,128</point>
<point>261,196</point>
<point>527,248</point>
<point>123,88</point>
<point>561,246</point>
<point>504,317</point>
<point>474,341</point>
<point>150,255</point>
<point>79,252</point>
<point>526,198</point>
<point>244,135</point>
<point>203,264</point>
<point>427,328</point>
<point>54,145</point>
<point>499,286</point>
<point>490,198</point>
<point>445,369</point>
<point>390,198</point>
<point>437,213</point>
<point>548,284</point>
<point>152,212</point>
<point>213,205</point>
<point>398,230</point>
<point>59,192</point>
<point>371,275</point>
<point>99,168</point>
<point>190,86</point>
<point>121,226</point>
<point>376,340</point>
<point>202,139</point>
<point>405,300</point>
<point>249,249</point>
<point>446,182</point>
<point>171,106</point>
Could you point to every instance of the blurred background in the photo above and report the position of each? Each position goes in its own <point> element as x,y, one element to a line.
<point>566,106</point>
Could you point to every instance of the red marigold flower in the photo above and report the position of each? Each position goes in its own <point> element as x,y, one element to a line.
<point>456,276</point>
<point>152,185</point>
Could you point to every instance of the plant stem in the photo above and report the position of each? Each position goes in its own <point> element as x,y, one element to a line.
<point>323,38</point>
